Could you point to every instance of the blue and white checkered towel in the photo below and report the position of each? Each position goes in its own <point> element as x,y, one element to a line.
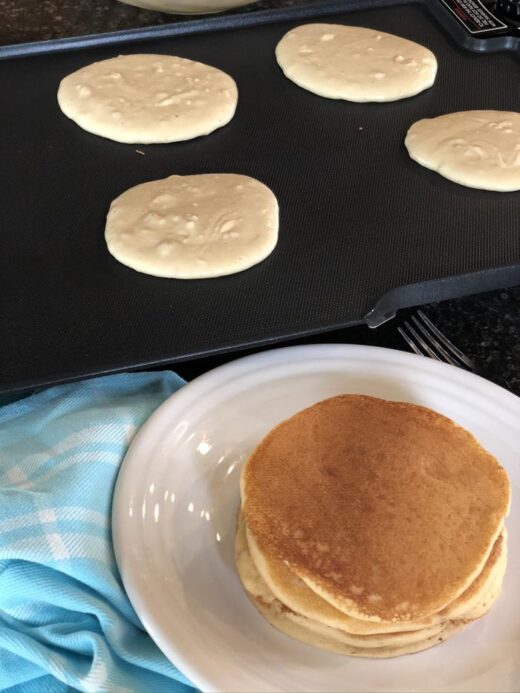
<point>65,621</point>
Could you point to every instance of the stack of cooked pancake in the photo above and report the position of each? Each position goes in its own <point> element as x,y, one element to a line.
<point>372,528</point>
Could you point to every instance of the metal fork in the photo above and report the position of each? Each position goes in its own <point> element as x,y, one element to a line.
<point>425,339</point>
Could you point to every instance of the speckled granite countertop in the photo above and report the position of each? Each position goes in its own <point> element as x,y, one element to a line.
<point>36,20</point>
<point>486,327</point>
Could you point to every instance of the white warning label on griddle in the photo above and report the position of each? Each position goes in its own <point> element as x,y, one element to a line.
<point>474,16</point>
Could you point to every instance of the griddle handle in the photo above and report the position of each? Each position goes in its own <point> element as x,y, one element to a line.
<point>419,294</point>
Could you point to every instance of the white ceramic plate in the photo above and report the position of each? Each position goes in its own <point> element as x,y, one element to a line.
<point>174,522</point>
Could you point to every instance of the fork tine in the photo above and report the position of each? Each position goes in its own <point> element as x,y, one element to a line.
<point>441,337</point>
<point>409,341</point>
<point>440,349</point>
<point>425,346</point>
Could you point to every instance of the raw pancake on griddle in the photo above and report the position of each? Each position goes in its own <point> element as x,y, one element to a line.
<point>479,149</point>
<point>355,63</point>
<point>148,98</point>
<point>193,227</point>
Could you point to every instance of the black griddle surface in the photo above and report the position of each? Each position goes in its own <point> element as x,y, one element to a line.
<point>359,220</point>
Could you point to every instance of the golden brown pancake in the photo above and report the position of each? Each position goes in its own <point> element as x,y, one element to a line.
<point>387,510</point>
<point>478,598</point>
<point>331,639</point>
<point>279,619</point>
<point>259,592</point>
<point>323,637</point>
<point>287,587</point>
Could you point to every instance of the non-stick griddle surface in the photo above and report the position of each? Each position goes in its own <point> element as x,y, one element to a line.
<point>358,218</point>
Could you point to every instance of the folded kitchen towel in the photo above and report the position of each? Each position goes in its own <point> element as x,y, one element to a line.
<point>65,621</point>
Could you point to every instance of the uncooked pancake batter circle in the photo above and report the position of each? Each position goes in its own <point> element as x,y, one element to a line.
<point>148,98</point>
<point>193,227</point>
<point>478,149</point>
<point>354,63</point>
